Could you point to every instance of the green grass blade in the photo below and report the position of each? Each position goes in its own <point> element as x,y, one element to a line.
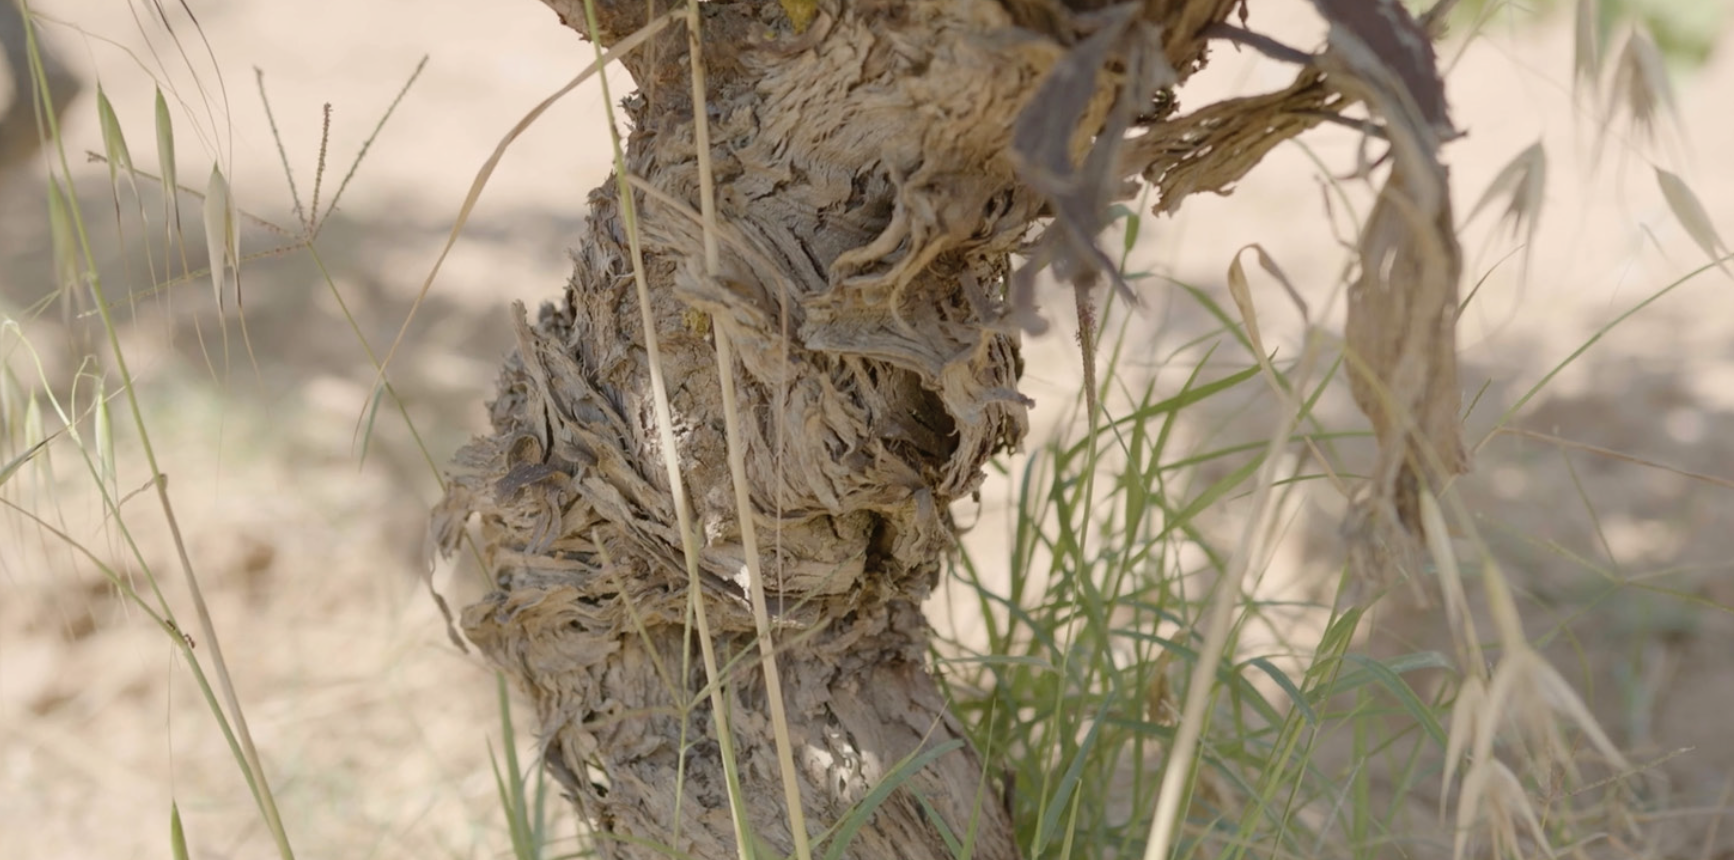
<point>177,833</point>
<point>1061,797</point>
<point>1405,695</point>
<point>512,801</point>
<point>952,843</point>
<point>16,463</point>
<point>166,173</point>
<point>863,811</point>
<point>105,440</point>
<point>114,148</point>
<point>520,847</point>
<point>64,243</point>
<point>372,414</point>
<point>1288,687</point>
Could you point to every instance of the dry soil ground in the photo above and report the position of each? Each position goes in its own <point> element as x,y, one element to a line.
<point>378,732</point>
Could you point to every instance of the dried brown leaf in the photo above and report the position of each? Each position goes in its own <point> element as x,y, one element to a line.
<point>1239,290</point>
<point>1400,337</point>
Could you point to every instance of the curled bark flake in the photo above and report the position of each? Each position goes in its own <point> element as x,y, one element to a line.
<point>1214,147</point>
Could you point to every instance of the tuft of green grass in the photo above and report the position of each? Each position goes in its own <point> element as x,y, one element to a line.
<point>1117,617</point>
<point>526,811</point>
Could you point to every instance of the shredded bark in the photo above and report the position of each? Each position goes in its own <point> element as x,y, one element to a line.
<point>1402,325</point>
<point>876,167</point>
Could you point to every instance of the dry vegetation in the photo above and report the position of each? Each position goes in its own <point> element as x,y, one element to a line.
<point>1597,513</point>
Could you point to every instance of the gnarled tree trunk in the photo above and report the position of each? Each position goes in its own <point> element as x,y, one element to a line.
<point>875,167</point>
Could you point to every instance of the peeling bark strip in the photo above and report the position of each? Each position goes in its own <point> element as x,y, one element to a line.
<point>875,168</point>
<point>1402,326</point>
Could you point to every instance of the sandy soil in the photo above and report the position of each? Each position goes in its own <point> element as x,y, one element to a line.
<point>378,732</point>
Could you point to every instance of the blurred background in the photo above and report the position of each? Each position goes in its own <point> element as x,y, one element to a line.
<point>304,507</point>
